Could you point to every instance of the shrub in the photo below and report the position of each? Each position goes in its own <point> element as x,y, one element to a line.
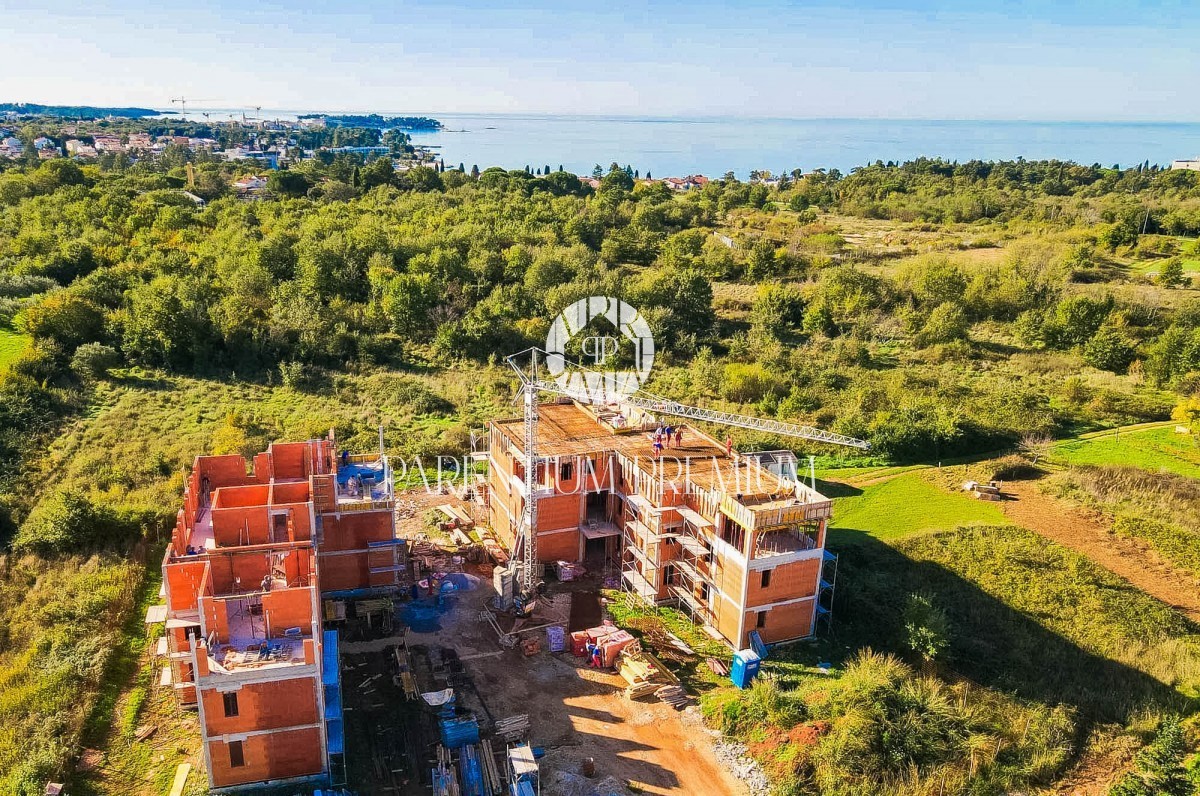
<point>748,383</point>
<point>65,319</point>
<point>94,360</point>
<point>1109,349</point>
<point>68,521</point>
<point>945,324</point>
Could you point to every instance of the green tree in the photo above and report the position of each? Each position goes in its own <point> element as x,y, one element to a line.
<point>1171,273</point>
<point>288,182</point>
<point>778,311</point>
<point>66,319</point>
<point>1110,349</point>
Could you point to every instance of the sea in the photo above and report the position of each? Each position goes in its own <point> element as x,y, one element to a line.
<point>712,146</point>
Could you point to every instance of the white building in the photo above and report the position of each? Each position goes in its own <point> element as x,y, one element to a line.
<point>1190,165</point>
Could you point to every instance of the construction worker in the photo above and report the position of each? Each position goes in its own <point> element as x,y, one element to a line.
<point>729,447</point>
<point>679,437</point>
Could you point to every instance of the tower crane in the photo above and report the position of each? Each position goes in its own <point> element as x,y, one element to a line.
<point>534,383</point>
<point>183,101</point>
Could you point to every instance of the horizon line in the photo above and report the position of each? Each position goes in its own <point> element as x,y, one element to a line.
<point>625,116</point>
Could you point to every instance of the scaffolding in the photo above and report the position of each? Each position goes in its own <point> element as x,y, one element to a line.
<point>641,564</point>
<point>825,588</point>
<point>691,566</point>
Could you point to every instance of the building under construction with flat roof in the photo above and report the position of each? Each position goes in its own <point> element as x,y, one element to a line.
<point>735,540</point>
<point>253,551</point>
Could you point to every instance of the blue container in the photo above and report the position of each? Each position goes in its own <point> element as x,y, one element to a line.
<point>745,668</point>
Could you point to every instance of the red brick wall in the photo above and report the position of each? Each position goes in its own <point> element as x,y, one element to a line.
<point>354,531</point>
<point>558,546</point>
<point>231,524</point>
<point>797,579</point>
<point>263,706</point>
<point>288,608</point>
<point>343,571</point>
<point>783,622</point>
<point>559,511</point>
<point>183,584</point>
<point>277,755</point>
<point>288,459</point>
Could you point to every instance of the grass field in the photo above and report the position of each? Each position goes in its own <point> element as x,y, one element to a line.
<point>906,505</point>
<point>1152,267</point>
<point>1154,449</point>
<point>11,344</point>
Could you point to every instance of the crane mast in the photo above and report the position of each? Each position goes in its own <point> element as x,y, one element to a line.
<point>532,385</point>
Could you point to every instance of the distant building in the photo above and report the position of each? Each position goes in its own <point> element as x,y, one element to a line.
<point>271,159</point>
<point>249,184</point>
<point>78,149</point>
<point>140,141</point>
<point>108,143</point>
<point>11,147</point>
<point>1190,165</point>
<point>686,183</point>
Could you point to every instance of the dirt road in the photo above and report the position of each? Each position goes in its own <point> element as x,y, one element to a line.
<point>1087,533</point>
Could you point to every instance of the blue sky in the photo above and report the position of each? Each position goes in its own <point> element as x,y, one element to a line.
<point>940,60</point>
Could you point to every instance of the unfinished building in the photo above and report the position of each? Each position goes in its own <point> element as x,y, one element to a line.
<point>736,541</point>
<point>253,552</point>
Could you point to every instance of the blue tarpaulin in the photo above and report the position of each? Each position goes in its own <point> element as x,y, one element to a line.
<point>458,732</point>
<point>332,685</point>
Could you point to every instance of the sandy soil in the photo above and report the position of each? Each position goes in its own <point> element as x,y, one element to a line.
<point>1087,533</point>
<point>578,712</point>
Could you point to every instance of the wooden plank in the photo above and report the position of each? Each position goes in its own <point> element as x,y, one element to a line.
<point>181,775</point>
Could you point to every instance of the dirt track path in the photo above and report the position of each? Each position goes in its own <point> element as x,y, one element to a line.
<point>1087,533</point>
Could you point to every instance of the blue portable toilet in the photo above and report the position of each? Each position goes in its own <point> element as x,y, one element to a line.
<point>745,668</point>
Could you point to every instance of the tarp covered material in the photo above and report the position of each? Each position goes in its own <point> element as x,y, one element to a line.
<point>438,698</point>
<point>458,732</point>
<point>329,658</point>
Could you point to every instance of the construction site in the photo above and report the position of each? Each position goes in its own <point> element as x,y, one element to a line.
<point>338,637</point>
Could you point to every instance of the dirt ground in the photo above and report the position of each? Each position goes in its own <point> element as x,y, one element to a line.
<point>1087,533</point>
<point>577,712</point>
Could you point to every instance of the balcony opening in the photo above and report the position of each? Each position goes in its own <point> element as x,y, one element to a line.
<point>733,534</point>
<point>237,758</point>
<point>766,578</point>
<point>760,620</point>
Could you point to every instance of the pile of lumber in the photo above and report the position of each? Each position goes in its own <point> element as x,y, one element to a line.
<point>513,727</point>
<point>717,667</point>
<point>645,674</point>
<point>673,695</point>
<point>493,783</point>
<point>458,517</point>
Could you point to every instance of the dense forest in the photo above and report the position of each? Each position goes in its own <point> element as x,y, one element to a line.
<point>937,309</point>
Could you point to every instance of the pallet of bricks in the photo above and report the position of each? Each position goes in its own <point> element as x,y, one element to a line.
<point>646,675</point>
